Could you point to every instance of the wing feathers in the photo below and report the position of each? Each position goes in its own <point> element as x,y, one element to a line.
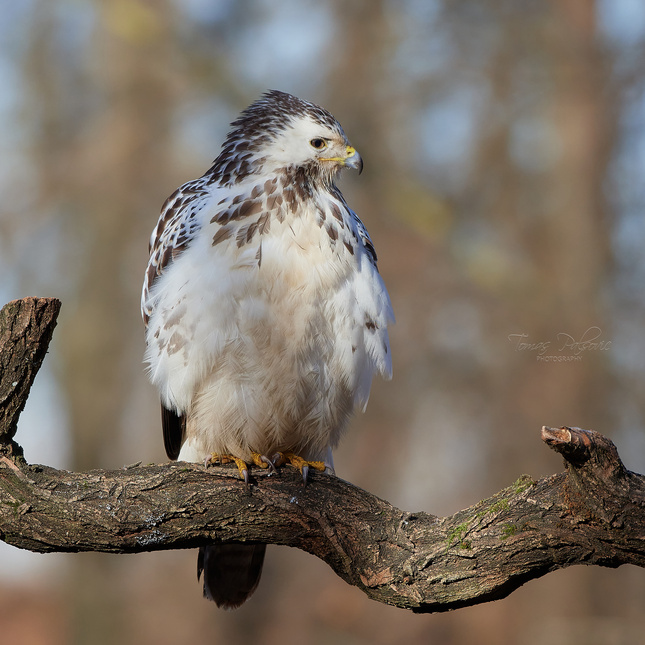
<point>177,226</point>
<point>174,427</point>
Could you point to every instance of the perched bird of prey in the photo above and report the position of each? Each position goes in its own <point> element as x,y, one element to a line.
<point>266,317</point>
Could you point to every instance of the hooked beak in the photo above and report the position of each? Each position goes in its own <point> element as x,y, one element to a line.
<point>351,159</point>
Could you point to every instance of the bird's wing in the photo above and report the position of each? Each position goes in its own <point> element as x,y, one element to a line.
<point>371,306</point>
<point>365,239</point>
<point>177,226</point>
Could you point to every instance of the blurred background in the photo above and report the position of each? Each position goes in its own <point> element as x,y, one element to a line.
<point>504,148</point>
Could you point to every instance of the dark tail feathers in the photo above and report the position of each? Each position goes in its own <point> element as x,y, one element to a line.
<point>231,571</point>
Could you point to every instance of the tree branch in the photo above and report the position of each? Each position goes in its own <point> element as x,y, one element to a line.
<point>593,513</point>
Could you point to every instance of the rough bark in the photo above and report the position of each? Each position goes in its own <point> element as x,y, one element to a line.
<point>26,328</point>
<point>592,513</point>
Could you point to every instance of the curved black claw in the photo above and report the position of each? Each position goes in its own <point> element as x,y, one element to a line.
<point>303,465</point>
<point>277,459</point>
<point>270,465</point>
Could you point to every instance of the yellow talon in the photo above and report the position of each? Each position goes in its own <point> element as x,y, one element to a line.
<point>227,459</point>
<point>242,467</point>
<point>301,464</point>
<point>261,461</point>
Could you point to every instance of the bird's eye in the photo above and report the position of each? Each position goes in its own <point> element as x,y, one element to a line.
<point>319,144</point>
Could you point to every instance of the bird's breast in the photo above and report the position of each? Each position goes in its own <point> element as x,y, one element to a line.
<point>301,247</point>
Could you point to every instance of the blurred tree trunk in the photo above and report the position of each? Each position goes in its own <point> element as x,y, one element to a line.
<point>578,258</point>
<point>97,163</point>
<point>557,218</point>
<point>551,218</point>
<point>569,242</point>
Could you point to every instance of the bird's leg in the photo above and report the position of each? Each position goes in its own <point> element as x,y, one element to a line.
<point>256,458</point>
<point>301,464</point>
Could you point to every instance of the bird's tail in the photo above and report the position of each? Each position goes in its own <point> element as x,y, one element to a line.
<point>231,572</point>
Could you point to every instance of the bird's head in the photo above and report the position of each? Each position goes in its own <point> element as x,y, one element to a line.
<point>281,132</point>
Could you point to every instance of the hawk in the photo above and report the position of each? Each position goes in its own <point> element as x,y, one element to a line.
<point>266,317</point>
